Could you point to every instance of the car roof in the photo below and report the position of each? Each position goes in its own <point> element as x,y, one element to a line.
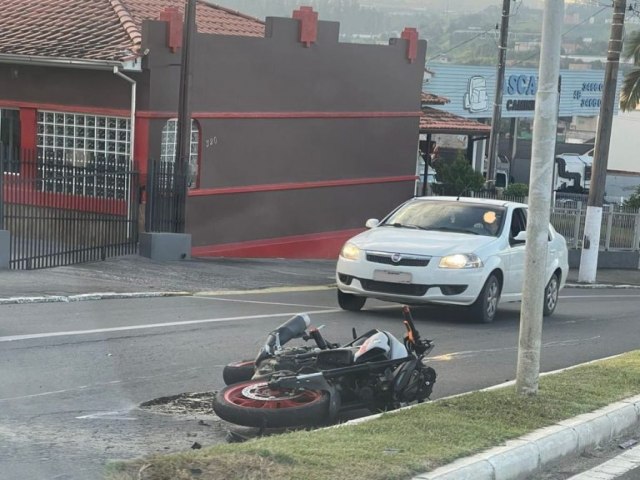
<point>476,201</point>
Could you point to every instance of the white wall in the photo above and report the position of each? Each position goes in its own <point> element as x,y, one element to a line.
<point>624,151</point>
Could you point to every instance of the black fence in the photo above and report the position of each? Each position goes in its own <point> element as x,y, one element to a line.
<point>166,197</point>
<point>63,209</point>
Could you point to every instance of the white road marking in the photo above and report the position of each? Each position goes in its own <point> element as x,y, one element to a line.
<point>309,288</point>
<point>15,338</point>
<point>117,415</point>
<point>472,353</point>
<point>262,303</point>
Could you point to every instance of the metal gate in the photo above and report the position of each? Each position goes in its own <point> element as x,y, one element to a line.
<point>166,196</point>
<point>62,212</point>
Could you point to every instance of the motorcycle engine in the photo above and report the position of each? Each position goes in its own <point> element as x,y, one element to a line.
<point>286,360</point>
<point>414,384</point>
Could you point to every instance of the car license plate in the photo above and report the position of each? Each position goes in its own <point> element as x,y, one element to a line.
<point>393,277</point>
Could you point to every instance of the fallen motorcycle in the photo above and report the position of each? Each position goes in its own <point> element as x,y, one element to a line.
<point>311,384</point>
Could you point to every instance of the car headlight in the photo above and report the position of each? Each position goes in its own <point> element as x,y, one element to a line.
<point>461,260</point>
<point>350,252</point>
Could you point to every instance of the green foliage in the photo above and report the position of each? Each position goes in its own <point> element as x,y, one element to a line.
<point>633,202</point>
<point>516,190</point>
<point>457,176</point>
<point>630,91</point>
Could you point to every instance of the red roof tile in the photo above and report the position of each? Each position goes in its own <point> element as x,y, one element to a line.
<point>439,121</point>
<point>432,99</point>
<point>100,29</point>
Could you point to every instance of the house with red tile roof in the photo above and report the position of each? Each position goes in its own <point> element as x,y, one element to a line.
<point>296,138</point>
<point>434,123</point>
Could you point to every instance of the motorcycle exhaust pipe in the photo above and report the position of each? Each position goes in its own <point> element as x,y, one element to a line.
<point>292,328</point>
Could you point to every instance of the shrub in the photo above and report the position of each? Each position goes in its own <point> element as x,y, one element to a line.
<point>633,202</point>
<point>516,190</point>
<point>457,177</point>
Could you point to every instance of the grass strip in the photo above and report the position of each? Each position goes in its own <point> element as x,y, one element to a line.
<point>401,444</point>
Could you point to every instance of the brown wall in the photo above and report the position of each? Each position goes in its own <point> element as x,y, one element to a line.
<point>253,216</point>
<point>279,74</point>
<point>70,86</point>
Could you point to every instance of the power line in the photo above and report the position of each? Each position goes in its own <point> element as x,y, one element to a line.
<point>564,33</point>
<point>496,28</point>
<point>462,43</point>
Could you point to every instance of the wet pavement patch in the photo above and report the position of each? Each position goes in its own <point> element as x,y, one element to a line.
<point>200,404</point>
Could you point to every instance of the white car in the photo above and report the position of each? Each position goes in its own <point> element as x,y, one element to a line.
<point>446,250</point>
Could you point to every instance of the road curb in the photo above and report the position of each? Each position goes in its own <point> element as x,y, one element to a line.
<point>116,296</point>
<point>528,454</point>
<point>88,296</point>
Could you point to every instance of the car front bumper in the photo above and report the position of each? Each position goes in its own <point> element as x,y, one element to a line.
<point>428,284</point>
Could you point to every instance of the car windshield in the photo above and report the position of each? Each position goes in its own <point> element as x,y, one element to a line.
<point>458,217</point>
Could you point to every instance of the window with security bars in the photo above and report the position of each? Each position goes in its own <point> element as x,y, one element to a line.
<point>84,154</point>
<point>169,146</point>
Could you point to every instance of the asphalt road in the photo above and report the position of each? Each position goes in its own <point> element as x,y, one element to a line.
<point>75,373</point>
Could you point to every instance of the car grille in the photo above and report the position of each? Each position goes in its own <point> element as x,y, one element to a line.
<point>405,261</point>
<point>415,290</point>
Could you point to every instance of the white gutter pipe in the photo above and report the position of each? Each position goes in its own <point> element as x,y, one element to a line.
<point>132,136</point>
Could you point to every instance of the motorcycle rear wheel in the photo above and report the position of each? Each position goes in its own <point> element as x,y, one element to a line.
<point>236,372</point>
<point>254,404</point>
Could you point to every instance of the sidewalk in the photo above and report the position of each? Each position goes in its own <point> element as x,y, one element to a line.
<point>610,277</point>
<point>135,274</point>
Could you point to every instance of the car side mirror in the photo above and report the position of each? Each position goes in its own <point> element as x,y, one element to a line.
<point>521,237</point>
<point>372,223</point>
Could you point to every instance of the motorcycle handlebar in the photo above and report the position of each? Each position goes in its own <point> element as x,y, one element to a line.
<point>412,339</point>
<point>412,333</point>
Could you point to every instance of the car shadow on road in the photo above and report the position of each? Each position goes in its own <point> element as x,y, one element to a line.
<point>509,314</point>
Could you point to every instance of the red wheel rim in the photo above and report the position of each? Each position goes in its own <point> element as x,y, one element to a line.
<point>259,395</point>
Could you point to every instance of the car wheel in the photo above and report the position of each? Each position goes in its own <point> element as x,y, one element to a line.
<point>551,295</point>
<point>486,305</point>
<point>350,302</point>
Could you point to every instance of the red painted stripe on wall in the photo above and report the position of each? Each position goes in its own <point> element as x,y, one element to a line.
<point>299,185</point>
<point>119,112</point>
<point>275,115</point>
<point>116,112</point>
<point>325,245</point>
<point>16,194</point>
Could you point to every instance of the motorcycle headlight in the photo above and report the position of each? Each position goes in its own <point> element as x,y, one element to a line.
<point>461,260</point>
<point>350,251</point>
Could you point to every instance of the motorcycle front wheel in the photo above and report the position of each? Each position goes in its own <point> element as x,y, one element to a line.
<point>255,404</point>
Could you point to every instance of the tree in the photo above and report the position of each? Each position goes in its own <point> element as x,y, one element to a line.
<point>457,177</point>
<point>630,93</point>
<point>633,202</point>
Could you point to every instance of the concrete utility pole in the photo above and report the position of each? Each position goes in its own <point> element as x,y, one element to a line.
<point>544,144</point>
<point>183,128</point>
<point>497,104</point>
<point>593,221</point>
